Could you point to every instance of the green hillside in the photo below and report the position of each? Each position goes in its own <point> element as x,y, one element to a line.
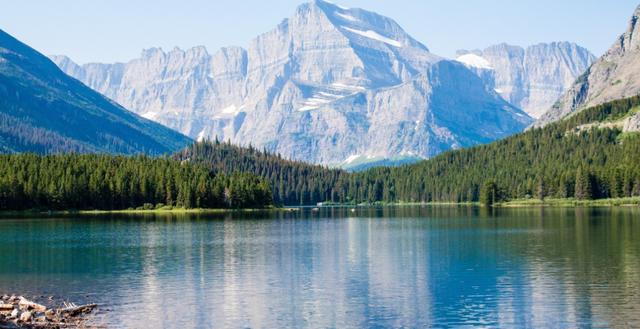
<point>45,111</point>
<point>583,156</point>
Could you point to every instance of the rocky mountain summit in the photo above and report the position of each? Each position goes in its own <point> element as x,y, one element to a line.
<point>531,78</point>
<point>328,84</point>
<point>614,76</point>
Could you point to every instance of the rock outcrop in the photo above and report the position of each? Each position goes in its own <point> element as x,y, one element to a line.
<point>531,79</point>
<point>614,76</point>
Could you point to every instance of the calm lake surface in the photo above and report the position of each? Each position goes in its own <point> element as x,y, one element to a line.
<point>387,267</point>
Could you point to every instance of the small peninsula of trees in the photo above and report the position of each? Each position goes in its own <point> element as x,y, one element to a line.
<point>61,182</point>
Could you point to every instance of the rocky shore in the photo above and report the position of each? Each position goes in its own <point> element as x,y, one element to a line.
<point>20,312</point>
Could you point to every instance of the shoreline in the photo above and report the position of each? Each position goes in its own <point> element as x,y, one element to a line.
<point>571,203</point>
<point>519,203</point>
<point>19,312</point>
<point>140,212</point>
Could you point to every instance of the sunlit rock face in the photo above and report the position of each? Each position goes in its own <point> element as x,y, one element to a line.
<point>531,78</point>
<point>327,84</point>
<point>614,76</point>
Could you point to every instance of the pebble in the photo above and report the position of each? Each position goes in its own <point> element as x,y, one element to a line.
<point>26,316</point>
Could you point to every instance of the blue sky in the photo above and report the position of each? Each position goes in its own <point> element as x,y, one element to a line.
<point>117,30</point>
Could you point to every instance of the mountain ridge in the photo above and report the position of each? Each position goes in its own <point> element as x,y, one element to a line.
<point>326,84</point>
<point>613,76</point>
<point>531,78</point>
<point>43,110</point>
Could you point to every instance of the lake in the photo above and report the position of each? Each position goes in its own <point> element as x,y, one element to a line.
<point>375,267</point>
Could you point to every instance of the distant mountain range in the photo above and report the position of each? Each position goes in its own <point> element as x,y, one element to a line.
<point>532,79</point>
<point>44,110</point>
<point>327,85</point>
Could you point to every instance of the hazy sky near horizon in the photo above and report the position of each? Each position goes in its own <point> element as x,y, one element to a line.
<point>117,30</point>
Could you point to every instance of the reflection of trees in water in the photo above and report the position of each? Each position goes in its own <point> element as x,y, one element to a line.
<point>372,266</point>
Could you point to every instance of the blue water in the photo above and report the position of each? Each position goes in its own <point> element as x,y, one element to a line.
<point>387,267</point>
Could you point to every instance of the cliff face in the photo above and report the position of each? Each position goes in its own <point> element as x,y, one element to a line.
<point>327,84</point>
<point>534,78</point>
<point>614,76</point>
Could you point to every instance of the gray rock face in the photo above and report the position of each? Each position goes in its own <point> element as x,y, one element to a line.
<point>325,85</point>
<point>632,124</point>
<point>533,78</point>
<point>614,76</point>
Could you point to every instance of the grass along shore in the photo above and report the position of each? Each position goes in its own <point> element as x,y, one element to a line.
<point>519,203</point>
<point>616,202</point>
<point>548,202</point>
<point>140,211</point>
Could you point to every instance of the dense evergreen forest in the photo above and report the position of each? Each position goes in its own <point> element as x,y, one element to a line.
<point>62,182</point>
<point>292,182</point>
<point>567,159</point>
<point>559,160</point>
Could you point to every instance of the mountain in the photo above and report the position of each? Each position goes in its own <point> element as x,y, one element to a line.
<point>45,111</point>
<point>615,75</point>
<point>328,84</point>
<point>533,78</point>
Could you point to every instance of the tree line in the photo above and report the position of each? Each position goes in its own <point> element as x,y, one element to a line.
<point>563,160</point>
<point>292,182</point>
<point>71,181</point>
<point>566,159</point>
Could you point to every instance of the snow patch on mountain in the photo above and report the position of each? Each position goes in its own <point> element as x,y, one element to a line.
<point>473,60</point>
<point>375,36</point>
<point>150,115</point>
<point>347,17</point>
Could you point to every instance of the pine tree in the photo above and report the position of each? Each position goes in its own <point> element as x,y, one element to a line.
<point>489,194</point>
<point>583,190</point>
<point>541,191</point>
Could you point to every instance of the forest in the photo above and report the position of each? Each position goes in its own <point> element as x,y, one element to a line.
<point>572,158</point>
<point>105,182</point>
<point>292,182</point>
<point>561,160</point>
<point>567,159</point>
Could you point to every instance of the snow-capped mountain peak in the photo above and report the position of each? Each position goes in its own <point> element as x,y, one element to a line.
<point>327,83</point>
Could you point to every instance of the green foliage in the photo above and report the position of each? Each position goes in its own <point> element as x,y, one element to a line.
<point>489,194</point>
<point>62,182</point>
<point>292,182</point>
<point>583,189</point>
<point>42,110</point>
<point>557,161</point>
